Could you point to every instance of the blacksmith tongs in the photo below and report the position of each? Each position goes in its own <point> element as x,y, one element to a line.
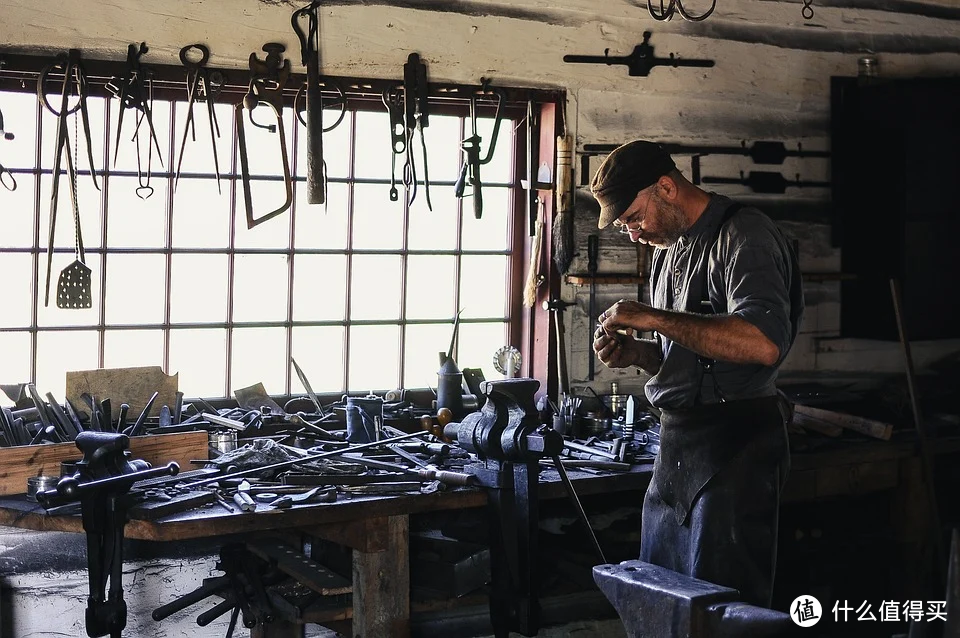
<point>267,80</point>
<point>202,85</point>
<point>73,76</point>
<point>133,92</point>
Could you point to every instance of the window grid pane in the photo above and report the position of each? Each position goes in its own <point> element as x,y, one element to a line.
<point>179,279</point>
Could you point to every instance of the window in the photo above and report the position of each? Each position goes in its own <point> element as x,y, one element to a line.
<point>362,292</point>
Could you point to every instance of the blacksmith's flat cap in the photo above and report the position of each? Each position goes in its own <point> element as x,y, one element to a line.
<point>624,173</point>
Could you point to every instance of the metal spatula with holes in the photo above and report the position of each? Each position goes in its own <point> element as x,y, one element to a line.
<point>74,285</point>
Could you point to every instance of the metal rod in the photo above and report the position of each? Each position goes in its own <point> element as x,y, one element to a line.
<point>306,459</point>
<point>577,506</point>
<point>926,459</point>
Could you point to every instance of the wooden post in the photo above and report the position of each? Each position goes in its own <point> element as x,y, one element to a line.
<point>381,584</point>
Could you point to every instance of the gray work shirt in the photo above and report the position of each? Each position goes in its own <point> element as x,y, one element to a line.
<point>747,273</point>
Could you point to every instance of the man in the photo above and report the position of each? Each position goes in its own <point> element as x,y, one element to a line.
<point>725,308</point>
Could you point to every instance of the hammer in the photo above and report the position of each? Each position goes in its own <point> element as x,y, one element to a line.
<point>557,306</point>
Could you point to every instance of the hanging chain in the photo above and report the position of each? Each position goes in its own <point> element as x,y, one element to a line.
<point>807,10</point>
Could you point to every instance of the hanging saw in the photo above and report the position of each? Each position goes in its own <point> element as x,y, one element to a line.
<point>267,80</point>
<point>640,62</point>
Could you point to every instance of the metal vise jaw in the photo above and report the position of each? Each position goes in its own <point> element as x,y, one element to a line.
<point>507,428</point>
<point>656,602</point>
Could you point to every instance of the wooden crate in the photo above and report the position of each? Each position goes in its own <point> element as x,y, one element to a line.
<point>21,462</point>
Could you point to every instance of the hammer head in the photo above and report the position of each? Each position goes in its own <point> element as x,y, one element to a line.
<point>556,305</point>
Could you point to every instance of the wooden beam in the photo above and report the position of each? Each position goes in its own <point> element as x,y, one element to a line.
<point>876,429</point>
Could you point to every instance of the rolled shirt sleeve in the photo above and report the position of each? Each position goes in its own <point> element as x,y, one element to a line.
<point>758,286</point>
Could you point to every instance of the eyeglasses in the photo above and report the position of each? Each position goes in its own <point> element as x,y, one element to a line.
<point>636,218</point>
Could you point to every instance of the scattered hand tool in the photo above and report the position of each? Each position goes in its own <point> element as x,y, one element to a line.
<point>74,285</point>
<point>308,388</point>
<point>205,86</point>
<point>592,254</point>
<point>640,61</point>
<point>470,170</point>
<point>135,91</point>
<point>426,472</point>
<point>314,495</point>
<point>306,459</point>
<point>310,58</point>
<point>138,426</point>
<point>267,81</point>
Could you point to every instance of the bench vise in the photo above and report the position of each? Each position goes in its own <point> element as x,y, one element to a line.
<point>101,482</point>
<point>509,441</point>
<point>656,602</point>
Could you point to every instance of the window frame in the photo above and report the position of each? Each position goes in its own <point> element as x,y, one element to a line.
<point>20,72</point>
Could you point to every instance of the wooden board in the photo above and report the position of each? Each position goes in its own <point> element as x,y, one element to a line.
<point>19,463</point>
<point>876,429</point>
<point>133,386</point>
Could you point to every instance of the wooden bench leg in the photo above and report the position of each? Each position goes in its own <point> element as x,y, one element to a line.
<point>381,584</point>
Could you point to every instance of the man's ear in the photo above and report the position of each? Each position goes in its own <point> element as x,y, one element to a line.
<point>667,187</point>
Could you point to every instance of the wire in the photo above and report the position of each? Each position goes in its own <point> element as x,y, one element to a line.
<point>676,6</point>
<point>807,10</point>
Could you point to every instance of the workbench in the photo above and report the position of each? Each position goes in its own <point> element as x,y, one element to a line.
<point>377,527</point>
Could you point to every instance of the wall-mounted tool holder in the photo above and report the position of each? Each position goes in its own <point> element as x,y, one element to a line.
<point>640,61</point>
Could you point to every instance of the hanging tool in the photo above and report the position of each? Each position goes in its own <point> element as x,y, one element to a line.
<point>557,307</point>
<point>144,189</point>
<point>761,152</point>
<point>592,253</point>
<point>73,288</point>
<point>534,277</point>
<point>640,61</point>
<point>201,85</point>
<point>267,80</point>
<point>310,58</point>
<point>470,169</point>
<point>135,91</point>
<point>398,135</point>
<point>766,182</point>
<point>6,177</point>
<point>563,224</point>
<point>667,12</point>
<point>416,117</point>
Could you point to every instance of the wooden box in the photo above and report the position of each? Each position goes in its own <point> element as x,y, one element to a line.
<point>21,462</point>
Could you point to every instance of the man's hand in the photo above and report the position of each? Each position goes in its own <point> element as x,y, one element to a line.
<point>627,317</point>
<point>615,351</point>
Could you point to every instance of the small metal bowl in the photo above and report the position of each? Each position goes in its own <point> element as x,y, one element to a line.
<point>223,442</point>
<point>36,484</point>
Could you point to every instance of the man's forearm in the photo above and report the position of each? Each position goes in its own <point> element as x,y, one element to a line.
<point>647,355</point>
<point>725,338</point>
